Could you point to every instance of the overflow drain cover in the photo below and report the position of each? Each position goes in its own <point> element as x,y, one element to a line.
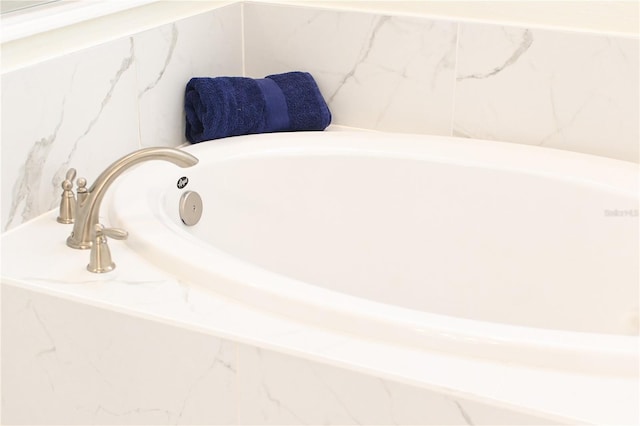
<point>190,208</point>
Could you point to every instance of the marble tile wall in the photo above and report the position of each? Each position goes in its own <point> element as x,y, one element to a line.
<point>565,90</point>
<point>70,363</point>
<point>279,389</point>
<point>376,72</point>
<point>562,90</point>
<point>90,107</point>
<point>206,45</point>
<point>79,109</point>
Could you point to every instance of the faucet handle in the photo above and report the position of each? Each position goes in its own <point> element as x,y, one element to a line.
<point>115,233</point>
<point>67,200</point>
<point>100,257</point>
<point>81,192</point>
<point>71,174</point>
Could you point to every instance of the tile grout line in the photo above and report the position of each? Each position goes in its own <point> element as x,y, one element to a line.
<point>455,80</point>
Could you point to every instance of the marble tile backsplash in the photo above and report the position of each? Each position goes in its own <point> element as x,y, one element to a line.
<point>376,72</point>
<point>88,108</point>
<point>58,113</point>
<point>570,91</point>
<point>566,90</point>
<point>167,57</point>
<point>380,72</point>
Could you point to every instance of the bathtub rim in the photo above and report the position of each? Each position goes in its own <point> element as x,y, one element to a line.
<point>605,354</point>
<point>570,398</point>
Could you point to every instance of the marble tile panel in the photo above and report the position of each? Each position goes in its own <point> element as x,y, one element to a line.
<point>572,91</point>
<point>379,72</point>
<point>280,389</point>
<point>78,111</point>
<point>205,45</point>
<point>69,363</point>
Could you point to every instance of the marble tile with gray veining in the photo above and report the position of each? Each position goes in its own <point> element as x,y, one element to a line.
<point>279,389</point>
<point>205,45</point>
<point>83,365</point>
<point>78,111</point>
<point>550,88</point>
<point>375,71</point>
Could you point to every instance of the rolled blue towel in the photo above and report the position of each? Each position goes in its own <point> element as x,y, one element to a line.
<point>230,106</point>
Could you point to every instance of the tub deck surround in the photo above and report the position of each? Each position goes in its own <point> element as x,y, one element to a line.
<point>121,89</point>
<point>141,288</point>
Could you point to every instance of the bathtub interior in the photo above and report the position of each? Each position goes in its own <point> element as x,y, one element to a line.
<point>417,230</point>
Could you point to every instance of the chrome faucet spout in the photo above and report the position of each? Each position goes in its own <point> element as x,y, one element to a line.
<point>88,210</point>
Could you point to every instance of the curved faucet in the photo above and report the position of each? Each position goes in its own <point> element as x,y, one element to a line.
<point>88,208</point>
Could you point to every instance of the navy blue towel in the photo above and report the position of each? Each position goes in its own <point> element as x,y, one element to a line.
<point>230,106</point>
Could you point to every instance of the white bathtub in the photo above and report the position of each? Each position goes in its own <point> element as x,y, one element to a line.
<point>480,249</point>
